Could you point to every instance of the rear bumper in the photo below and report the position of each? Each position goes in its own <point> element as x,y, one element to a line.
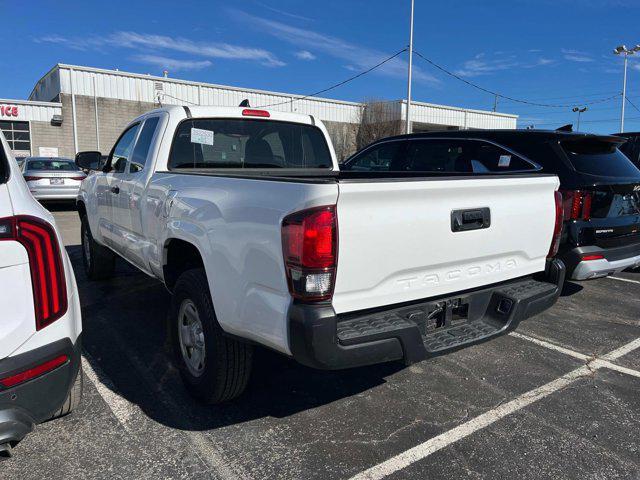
<point>615,260</point>
<point>68,193</point>
<point>27,404</point>
<point>322,339</point>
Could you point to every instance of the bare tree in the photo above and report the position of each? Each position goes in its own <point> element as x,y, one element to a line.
<point>378,119</point>
<point>343,137</point>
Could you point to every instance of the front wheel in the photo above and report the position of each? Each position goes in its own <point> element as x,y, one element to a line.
<point>214,367</point>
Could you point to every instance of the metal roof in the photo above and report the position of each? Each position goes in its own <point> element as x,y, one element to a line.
<point>81,80</point>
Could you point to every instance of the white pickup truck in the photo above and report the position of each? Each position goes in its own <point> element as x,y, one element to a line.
<point>247,218</point>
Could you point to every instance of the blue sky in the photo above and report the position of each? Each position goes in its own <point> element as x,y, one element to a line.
<point>555,52</point>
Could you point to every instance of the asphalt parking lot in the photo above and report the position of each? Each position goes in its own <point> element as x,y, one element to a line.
<point>559,399</point>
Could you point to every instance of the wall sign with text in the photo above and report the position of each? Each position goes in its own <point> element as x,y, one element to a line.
<point>8,111</point>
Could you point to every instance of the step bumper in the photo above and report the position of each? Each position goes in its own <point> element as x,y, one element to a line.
<point>321,339</point>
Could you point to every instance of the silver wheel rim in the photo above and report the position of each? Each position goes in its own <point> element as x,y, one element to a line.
<point>86,247</point>
<point>191,338</point>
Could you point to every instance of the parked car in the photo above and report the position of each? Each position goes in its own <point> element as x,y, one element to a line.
<point>631,147</point>
<point>52,178</point>
<point>246,218</point>
<point>600,189</point>
<point>40,325</point>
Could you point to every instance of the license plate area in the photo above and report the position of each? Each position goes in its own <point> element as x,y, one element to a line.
<point>56,181</point>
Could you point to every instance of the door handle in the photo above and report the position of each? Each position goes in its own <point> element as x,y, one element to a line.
<point>115,190</point>
<point>470,219</point>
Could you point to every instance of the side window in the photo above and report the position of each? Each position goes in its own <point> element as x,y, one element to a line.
<point>122,149</point>
<point>461,156</point>
<point>381,158</point>
<point>141,150</point>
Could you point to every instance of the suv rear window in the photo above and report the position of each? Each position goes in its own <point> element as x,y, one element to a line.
<point>248,143</point>
<point>595,157</point>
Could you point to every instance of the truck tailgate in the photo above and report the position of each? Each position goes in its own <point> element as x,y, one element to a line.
<point>397,244</point>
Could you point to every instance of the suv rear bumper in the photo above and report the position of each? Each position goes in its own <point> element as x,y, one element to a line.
<point>320,338</point>
<point>32,402</point>
<point>615,260</point>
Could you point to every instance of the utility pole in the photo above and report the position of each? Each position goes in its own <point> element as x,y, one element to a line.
<point>408,126</point>
<point>623,50</point>
<point>624,91</point>
<point>495,103</point>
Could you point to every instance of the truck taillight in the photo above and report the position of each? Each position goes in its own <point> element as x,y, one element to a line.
<point>577,204</point>
<point>310,249</point>
<point>557,228</point>
<point>45,262</point>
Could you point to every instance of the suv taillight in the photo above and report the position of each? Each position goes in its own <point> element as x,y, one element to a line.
<point>557,229</point>
<point>310,249</point>
<point>45,261</point>
<point>577,204</point>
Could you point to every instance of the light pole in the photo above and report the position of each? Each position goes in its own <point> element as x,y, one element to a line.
<point>579,111</point>
<point>623,50</point>
<point>408,125</point>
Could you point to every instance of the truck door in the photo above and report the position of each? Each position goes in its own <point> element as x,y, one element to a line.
<point>111,209</point>
<point>132,191</point>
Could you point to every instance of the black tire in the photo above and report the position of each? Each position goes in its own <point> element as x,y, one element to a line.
<point>226,367</point>
<point>73,398</point>
<point>100,262</point>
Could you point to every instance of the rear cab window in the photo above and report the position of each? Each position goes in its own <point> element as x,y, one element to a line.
<point>247,143</point>
<point>446,156</point>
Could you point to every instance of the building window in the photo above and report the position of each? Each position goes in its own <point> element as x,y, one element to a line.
<point>18,137</point>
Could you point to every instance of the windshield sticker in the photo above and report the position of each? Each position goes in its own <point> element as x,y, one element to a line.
<point>204,137</point>
<point>504,160</point>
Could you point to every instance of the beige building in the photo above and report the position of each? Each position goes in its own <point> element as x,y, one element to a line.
<point>74,108</point>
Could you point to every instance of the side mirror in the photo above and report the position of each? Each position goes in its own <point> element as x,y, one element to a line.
<point>89,160</point>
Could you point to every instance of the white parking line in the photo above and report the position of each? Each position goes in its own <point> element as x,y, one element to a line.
<point>124,411</point>
<point>445,439</point>
<point>462,431</point>
<point>603,362</point>
<point>623,350</point>
<point>121,408</point>
<point>618,368</point>
<point>624,279</point>
<point>552,346</point>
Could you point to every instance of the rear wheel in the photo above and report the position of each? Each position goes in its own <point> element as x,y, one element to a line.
<point>98,261</point>
<point>214,367</point>
<point>73,399</point>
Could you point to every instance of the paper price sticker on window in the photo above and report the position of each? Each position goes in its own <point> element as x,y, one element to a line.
<point>504,161</point>
<point>204,137</point>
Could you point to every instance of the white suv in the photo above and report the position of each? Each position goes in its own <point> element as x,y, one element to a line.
<point>40,323</point>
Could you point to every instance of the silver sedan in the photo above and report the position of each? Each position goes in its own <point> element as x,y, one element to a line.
<point>52,178</point>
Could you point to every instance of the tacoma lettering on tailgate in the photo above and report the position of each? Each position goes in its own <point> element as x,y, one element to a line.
<point>457,274</point>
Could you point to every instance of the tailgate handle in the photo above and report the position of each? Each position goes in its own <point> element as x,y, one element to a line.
<point>471,219</point>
